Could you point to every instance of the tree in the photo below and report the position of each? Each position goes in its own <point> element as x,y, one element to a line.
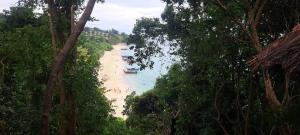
<point>215,38</point>
<point>61,56</point>
<point>25,56</point>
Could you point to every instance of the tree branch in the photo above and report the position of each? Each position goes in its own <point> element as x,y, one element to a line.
<point>221,5</point>
<point>259,12</point>
<point>59,63</point>
<point>52,15</point>
<point>72,19</point>
<point>236,19</point>
<point>286,90</point>
<point>218,112</point>
<point>293,98</point>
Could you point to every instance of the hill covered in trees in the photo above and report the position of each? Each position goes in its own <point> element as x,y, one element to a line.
<point>111,36</point>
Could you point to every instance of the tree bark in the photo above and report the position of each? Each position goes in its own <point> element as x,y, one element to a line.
<point>254,15</point>
<point>52,15</point>
<point>53,20</point>
<point>72,19</point>
<point>285,129</point>
<point>71,115</point>
<point>269,90</point>
<point>58,64</point>
<point>62,99</point>
<point>173,123</point>
<point>70,102</point>
<point>67,102</point>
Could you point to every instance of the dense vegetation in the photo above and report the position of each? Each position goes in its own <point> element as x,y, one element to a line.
<point>48,70</point>
<point>212,90</point>
<point>26,55</point>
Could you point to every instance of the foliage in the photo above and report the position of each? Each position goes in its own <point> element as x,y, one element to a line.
<point>211,91</point>
<point>25,61</point>
<point>24,72</point>
<point>116,126</point>
<point>214,91</point>
<point>151,113</point>
<point>93,107</point>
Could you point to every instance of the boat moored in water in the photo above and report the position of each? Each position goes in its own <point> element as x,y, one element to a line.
<point>125,58</point>
<point>131,70</point>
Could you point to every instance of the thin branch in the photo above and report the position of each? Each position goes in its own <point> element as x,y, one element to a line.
<point>221,4</point>
<point>286,91</point>
<point>236,19</point>
<point>221,125</point>
<point>293,98</point>
<point>218,112</point>
<point>248,6</point>
<point>52,15</point>
<point>257,5</point>
<point>72,19</point>
<point>272,129</point>
<point>259,12</point>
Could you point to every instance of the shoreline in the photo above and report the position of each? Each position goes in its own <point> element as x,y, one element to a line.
<point>112,75</point>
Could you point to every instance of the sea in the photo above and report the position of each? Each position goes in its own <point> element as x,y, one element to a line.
<point>145,79</point>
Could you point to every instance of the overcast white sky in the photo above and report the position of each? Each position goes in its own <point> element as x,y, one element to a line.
<point>117,14</point>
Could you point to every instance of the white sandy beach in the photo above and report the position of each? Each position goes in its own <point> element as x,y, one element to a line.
<point>112,75</point>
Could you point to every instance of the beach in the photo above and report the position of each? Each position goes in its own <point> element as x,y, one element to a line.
<point>112,75</point>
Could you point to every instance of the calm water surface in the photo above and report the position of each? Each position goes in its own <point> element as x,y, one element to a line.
<point>145,80</point>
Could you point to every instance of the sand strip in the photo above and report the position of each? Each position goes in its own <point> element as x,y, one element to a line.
<point>112,75</point>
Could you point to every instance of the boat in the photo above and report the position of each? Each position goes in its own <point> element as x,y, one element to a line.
<point>131,70</point>
<point>125,58</point>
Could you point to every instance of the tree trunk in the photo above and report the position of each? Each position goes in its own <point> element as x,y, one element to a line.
<point>284,129</point>
<point>173,123</point>
<point>71,106</point>
<point>59,63</point>
<point>62,99</point>
<point>67,102</point>
<point>269,90</point>
<point>71,115</point>
<point>173,126</point>
<point>53,20</point>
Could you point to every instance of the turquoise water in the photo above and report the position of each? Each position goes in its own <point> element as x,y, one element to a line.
<point>145,80</point>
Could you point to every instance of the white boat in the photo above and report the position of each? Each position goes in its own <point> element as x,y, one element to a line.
<point>131,70</point>
<point>125,58</point>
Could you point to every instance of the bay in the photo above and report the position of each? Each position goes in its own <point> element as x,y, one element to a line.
<point>145,80</point>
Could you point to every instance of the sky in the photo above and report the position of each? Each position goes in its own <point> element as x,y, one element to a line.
<point>118,14</point>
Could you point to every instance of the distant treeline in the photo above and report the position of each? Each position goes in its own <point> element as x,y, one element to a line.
<point>111,36</point>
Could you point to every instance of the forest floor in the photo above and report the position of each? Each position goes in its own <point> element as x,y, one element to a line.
<point>112,75</point>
